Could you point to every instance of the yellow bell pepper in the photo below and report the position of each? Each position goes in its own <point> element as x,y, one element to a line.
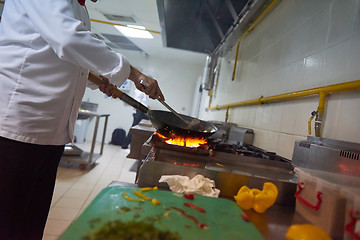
<point>127,197</point>
<point>244,198</point>
<point>265,198</point>
<point>248,198</point>
<point>139,194</point>
<point>155,201</point>
<point>306,232</point>
<point>145,189</point>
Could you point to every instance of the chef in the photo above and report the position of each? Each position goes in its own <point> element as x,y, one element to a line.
<point>46,52</point>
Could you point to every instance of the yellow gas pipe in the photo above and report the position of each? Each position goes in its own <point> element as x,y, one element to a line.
<point>271,5</point>
<point>321,91</point>
<point>320,113</point>
<point>227,114</point>
<point>340,87</point>
<point>236,57</point>
<point>322,99</point>
<point>210,95</point>
<point>309,122</point>
<point>248,30</point>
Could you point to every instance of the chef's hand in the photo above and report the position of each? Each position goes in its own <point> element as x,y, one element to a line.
<point>152,88</point>
<point>106,87</point>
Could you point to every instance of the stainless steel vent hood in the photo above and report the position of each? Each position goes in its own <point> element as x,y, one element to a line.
<point>206,26</point>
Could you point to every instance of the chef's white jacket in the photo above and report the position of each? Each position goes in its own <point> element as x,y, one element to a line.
<point>46,50</point>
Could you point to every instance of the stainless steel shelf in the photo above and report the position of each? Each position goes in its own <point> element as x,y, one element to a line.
<point>75,157</point>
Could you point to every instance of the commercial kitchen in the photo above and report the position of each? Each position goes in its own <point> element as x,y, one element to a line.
<point>270,89</point>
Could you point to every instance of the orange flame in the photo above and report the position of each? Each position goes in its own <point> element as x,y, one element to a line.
<point>187,142</point>
<point>187,164</point>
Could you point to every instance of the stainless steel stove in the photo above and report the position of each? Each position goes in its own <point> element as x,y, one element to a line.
<point>230,162</point>
<point>328,155</point>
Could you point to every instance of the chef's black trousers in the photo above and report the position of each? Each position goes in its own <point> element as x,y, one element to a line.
<point>27,179</point>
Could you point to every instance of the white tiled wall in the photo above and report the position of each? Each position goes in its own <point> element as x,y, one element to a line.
<point>301,44</point>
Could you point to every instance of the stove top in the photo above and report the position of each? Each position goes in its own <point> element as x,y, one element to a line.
<point>218,145</point>
<point>245,150</point>
<point>229,165</point>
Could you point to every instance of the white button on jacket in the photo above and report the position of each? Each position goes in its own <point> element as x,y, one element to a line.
<point>46,50</point>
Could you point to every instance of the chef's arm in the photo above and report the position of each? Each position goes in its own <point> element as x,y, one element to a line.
<point>136,76</point>
<point>152,88</point>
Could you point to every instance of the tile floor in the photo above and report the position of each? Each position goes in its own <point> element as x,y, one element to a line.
<point>75,189</point>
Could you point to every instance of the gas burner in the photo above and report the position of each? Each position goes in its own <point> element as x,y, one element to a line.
<point>160,141</point>
<point>215,146</point>
<point>244,150</point>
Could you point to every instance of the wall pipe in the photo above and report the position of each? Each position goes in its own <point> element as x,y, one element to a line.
<point>320,114</point>
<point>210,95</point>
<point>322,99</point>
<point>271,5</point>
<point>309,121</point>
<point>321,91</point>
<point>340,87</point>
<point>227,114</point>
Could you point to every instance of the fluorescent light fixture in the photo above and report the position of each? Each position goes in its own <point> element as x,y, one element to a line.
<point>133,31</point>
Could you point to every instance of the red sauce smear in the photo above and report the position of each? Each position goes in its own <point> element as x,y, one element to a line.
<point>195,207</point>
<point>245,217</point>
<point>189,196</point>
<point>200,225</point>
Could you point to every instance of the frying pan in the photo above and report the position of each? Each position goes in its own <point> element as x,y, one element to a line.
<point>166,123</point>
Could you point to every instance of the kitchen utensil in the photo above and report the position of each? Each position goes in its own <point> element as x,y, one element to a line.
<point>222,217</point>
<point>166,123</point>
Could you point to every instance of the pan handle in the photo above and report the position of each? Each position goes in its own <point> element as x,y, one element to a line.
<point>119,94</point>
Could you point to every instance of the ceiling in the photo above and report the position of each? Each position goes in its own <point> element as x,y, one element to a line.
<point>145,13</point>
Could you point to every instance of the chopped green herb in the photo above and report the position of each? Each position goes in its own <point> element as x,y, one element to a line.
<point>117,230</point>
<point>94,221</point>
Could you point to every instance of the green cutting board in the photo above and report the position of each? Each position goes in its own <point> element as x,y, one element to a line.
<point>222,216</point>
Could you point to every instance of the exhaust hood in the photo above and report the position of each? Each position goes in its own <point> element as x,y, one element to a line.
<point>206,26</point>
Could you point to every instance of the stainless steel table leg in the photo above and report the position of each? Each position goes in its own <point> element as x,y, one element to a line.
<point>94,140</point>
<point>103,136</point>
